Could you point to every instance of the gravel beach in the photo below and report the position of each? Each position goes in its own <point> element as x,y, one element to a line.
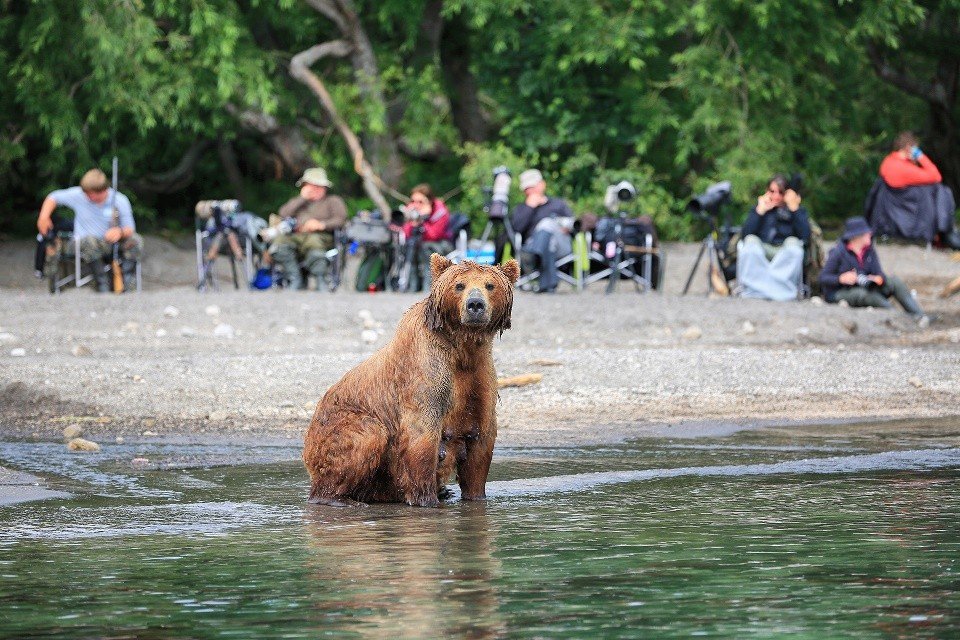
<point>175,362</point>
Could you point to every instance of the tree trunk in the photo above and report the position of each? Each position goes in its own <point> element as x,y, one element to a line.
<point>228,158</point>
<point>286,142</point>
<point>381,146</point>
<point>455,54</point>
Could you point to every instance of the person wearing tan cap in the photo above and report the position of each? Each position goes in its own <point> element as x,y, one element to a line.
<point>544,225</point>
<point>315,215</point>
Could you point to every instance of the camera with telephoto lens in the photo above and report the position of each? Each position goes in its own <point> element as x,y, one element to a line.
<point>500,193</point>
<point>708,203</point>
<point>282,228</point>
<point>623,191</point>
<point>219,213</point>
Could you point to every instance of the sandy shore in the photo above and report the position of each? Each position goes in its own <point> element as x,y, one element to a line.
<point>615,367</point>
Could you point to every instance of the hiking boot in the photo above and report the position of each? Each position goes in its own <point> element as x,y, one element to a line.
<point>100,279</point>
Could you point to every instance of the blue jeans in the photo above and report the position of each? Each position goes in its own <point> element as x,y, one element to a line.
<point>775,279</point>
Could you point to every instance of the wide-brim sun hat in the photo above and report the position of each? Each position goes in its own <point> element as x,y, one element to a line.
<point>315,176</point>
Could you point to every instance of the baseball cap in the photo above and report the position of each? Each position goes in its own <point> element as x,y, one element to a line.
<point>529,178</point>
<point>315,175</point>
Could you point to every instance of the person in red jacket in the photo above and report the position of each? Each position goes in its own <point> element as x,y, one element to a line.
<point>428,215</point>
<point>907,166</point>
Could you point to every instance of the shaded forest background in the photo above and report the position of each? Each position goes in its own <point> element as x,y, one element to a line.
<point>234,98</point>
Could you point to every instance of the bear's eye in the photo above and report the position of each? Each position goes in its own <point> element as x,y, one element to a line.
<point>490,286</point>
<point>460,286</point>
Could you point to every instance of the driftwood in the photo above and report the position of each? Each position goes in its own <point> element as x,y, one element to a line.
<point>951,288</point>
<point>519,381</point>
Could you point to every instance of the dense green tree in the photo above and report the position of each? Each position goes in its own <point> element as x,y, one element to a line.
<point>206,99</point>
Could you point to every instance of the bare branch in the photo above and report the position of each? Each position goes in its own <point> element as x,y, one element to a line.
<point>302,73</point>
<point>178,177</point>
<point>931,92</point>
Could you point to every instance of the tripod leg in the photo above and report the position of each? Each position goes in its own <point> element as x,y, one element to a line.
<point>696,264</point>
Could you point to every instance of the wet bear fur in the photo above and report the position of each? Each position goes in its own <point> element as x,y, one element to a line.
<point>423,408</point>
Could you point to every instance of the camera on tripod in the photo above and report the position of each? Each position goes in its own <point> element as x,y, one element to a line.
<point>623,191</point>
<point>708,203</point>
<point>496,209</point>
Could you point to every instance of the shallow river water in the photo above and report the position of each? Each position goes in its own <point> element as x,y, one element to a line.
<point>760,534</point>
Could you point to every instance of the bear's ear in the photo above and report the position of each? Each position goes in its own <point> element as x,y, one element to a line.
<point>438,264</point>
<point>512,270</point>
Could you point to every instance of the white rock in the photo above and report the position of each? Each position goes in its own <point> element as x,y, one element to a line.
<point>691,333</point>
<point>803,331</point>
<point>843,303</point>
<point>748,328</point>
<point>148,433</point>
<point>138,378</point>
<point>19,352</point>
<point>915,381</point>
<point>161,333</point>
<point>79,444</point>
<point>217,415</point>
<point>72,431</point>
<point>224,330</point>
<point>364,314</point>
<point>131,326</point>
<point>171,311</point>
<point>289,330</point>
<point>80,350</point>
<point>894,355</point>
<point>8,338</point>
<point>188,332</point>
<point>212,310</point>
<point>369,336</point>
<point>370,323</point>
<point>119,440</point>
<point>816,301</point>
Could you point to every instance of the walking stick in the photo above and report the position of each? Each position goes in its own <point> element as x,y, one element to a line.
<point>115,262</point>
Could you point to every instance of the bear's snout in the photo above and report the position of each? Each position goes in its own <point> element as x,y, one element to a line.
<point>476,308</point>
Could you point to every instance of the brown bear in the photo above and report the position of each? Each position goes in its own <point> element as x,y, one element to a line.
<point>402,421</point>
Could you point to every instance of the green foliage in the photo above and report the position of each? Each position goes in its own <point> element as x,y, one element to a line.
<point>671,96</point>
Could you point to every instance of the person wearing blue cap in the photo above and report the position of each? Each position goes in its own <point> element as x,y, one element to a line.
<point>853,274</point>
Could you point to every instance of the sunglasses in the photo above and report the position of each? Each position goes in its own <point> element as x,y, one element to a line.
<point>776,191</point>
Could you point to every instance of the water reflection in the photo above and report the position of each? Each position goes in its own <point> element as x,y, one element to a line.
<point>416,572</point>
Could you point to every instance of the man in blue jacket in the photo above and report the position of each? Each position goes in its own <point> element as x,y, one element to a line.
<point>852,273</point>
<point>774,236</point>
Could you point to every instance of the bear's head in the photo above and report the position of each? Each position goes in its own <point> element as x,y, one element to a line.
<point>470,297</point>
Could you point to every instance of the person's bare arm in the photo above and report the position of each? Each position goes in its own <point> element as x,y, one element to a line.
<point>44,222</point>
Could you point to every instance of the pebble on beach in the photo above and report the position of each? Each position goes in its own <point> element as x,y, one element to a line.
<point>748,328</point>
<point>72,431</point>
<point>212,310</point>
<point>915,381</point>
<point>171,311</point>
<point>80,350</point>
<point>692,333</point>
<point>79,444</point>
<point>19,352</point>
<point>224,330</point>
<point>369,336</point>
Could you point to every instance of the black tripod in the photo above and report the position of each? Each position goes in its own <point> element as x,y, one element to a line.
<point>716,280</point>
<point>502,232</point>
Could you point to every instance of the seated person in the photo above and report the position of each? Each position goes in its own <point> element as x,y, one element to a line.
<point>909,199</point>
<point>97,226</point>
<point>771,262</point>
<point>852,273</point>
<point>316,215</point>
<point>429,215</point>
<point>544,224</point>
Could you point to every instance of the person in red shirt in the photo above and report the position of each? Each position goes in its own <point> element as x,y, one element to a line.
<point>429,215</point>
<point>907,165</point>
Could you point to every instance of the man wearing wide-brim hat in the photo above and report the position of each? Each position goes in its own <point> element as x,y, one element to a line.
<point>316,214</point>
<point>853,274</point>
